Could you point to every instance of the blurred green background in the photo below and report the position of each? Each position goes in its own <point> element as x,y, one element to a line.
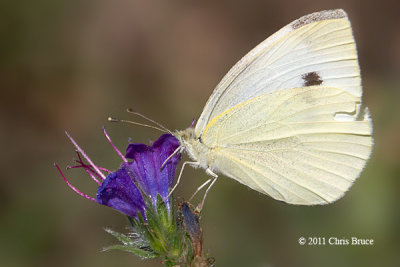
<point>68,65</point>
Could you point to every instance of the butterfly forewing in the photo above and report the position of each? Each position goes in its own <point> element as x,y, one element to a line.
<point>317,49</point>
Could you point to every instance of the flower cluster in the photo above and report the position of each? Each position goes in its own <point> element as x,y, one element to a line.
<point>140,189</point>
<point>124,189</point>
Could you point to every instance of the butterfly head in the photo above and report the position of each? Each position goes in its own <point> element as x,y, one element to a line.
<point>186,138</point>
<point>193,145</point>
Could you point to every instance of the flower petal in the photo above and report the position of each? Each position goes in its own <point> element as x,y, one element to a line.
<point>146,164</point>
<point>119,192</point>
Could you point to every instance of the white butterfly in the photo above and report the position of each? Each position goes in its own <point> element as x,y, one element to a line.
<point>287,119</point>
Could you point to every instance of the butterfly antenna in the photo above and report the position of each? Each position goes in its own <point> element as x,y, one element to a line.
<point>111,119</point>
<point>130,110</point>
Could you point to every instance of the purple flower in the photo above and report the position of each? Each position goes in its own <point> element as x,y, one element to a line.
<point>119,192</point>
<point>130,188</point>
<point>147,162</point>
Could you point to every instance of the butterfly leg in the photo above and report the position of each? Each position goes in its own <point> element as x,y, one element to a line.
<point>193,163</point>
<point>214,177</point>
<point>199,188</point>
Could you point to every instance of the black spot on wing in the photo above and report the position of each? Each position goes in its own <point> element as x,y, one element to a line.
<point>311,78</point>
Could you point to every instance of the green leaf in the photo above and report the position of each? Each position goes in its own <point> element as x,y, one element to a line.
<point>139,252</point>
<point>121,237</point>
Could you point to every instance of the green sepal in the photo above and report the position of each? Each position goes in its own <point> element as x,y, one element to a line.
<point>188,248</point>
<point>141,220</point>
<point>155,232</point>
<point>163,215</point>
<point>139,252</point>
<point>144,227</point>
<point>159,232</point>
<point>121,237</point>
<point>139,246</point>
<point>134,223</point>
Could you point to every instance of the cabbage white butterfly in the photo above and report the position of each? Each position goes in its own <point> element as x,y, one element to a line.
<point>287,120</point>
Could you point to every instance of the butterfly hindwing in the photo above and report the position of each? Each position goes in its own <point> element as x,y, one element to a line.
<point>289,145</point>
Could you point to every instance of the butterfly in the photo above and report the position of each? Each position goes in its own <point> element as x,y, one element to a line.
<point>287,119</point>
